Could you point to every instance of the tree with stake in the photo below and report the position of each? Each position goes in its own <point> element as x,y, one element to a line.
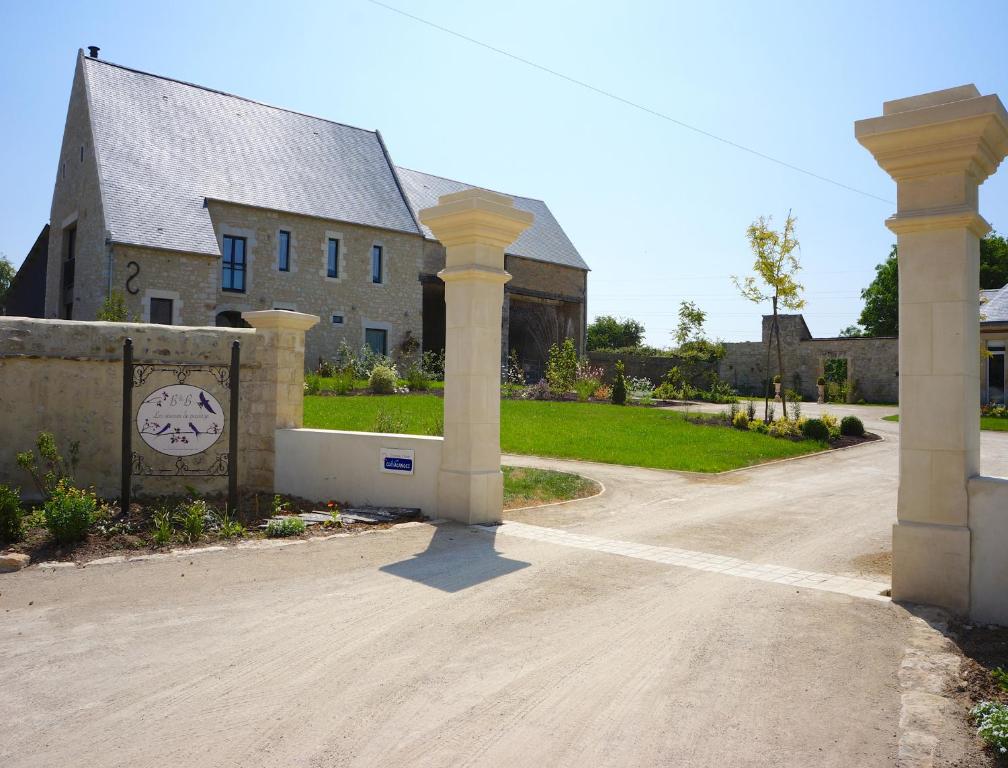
<point>775,267</point>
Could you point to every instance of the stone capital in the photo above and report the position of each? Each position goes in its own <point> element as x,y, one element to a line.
<point>280,319</point>
<point>476,217</point>
<point>944,133</point>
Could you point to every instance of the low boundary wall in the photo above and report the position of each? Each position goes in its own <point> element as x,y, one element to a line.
<point>323,464</point>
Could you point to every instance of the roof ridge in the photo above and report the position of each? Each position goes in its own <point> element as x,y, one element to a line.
<point>476,186</point>
<point>223,93</point>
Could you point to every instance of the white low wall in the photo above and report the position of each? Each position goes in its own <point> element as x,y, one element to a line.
<point>988,523</point>
<point>323,464</point>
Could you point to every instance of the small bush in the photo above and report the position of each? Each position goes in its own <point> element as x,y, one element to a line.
<point>389,423</point>
<point>815,429</point>
<point>561,368</point>
<point>750,410</point>
<point>785,428</point>
<point>228,528</point>
<point>991,720</point>
<point>382,380</point>
<point>740,420</point>
<point>538,391</point>
<point>312,383</point>
<point>417,380</point>
<point>433,365</point>
<point>851,426</point>
<point>48,468</point>
<point>192,519</point>
<point>832,424</point>
<point>10,515</point>
<point>619,387</point>
<point>585,388</point>
<point>343,381</point>
<point>758,426</point>
<point>288,526</point>
<point>163,529</point>
<point>1001,678</point>
<point>69,512</point>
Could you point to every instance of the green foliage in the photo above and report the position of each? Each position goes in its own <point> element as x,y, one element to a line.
<point>993,260</point>
<point>851,426</point>
<point>288,526</point>
<point>853,331</point>
<point>312,383</point>
<point>382,380</point>
<point>561,368</point>
<point>758,426</point>
<point>775,264</point>
<point>832,424</point>
<point>47,467</point>
<point>815,429</point>
<point>619,387</point>
<point>227,527</point>
<point>343,381</point>
<point>416,379</point>
<point>390,423</point>
<point>279,505</point>
<point>524,485</point>
<point>740,420</point>
<point>750,410</point>
<point>880,316</point>
<point>784,428</point>
<point>821,381</point>
<point>587,379</point>
<point>113,308</point>
<point>163,528</point>
<point>991,719</point>
<point>435,425</point>
<point>192,517</point>
<point>606,332</point>
<point>1001,678</point>
<point>10,515</point>
<point>432,364</point>
<point>69,512</point>
<point>514,376</point>
<point>7,273</point>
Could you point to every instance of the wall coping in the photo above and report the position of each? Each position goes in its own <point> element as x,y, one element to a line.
<point>270,319</point>
<point>351,433</point>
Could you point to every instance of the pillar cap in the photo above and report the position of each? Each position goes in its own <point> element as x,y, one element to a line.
<point>280,319</point>
<point>949,131</point>
<point>476,216</point>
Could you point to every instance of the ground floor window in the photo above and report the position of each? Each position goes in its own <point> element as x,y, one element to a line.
<point>377,340</point>
<point>996,372</point>
<point>161,311</point>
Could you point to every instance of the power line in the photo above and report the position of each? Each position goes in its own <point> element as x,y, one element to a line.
<point>629,103</point>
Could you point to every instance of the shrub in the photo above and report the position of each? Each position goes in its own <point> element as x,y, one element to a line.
<point>325,368</point>
<point>10,515</point>
<point>561,368</point>
<point>750,410</point>
<point>785,428</point>
<point>382,380</point>
<point>740,420</point>
<point>585,388</point>
<point>815,429</point>
<point>113,308</point>
<point>343,381</point>
<point>228,528</point>
<point>619,386</point>
<point>312,383</point>
<point>991,720</point>
<point>389,423</point>
<point>796,410</point>
<point>587,379</point>
<point>538,391</point>
<point>758,426</point>
<point>69,512</point>
<point>192,519</point>
<point>416,379</point>
<point>432,364</point>
<point>639,386</point>
<point>831,424</point>
<point>288,526</point>
<point>603,392</point>
<point>851,426</point>
<point>48,469</point>
<point>163,529</point>
<point>821,381</point>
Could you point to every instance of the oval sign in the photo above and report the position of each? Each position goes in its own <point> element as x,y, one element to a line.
<point>180,420</point>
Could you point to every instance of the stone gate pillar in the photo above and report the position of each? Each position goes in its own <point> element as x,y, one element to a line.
<point>938,147</point>
<point>475,226</point>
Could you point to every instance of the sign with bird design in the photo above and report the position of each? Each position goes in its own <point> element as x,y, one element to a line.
<point>180,420</point>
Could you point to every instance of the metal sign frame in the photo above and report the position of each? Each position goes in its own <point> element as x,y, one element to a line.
<point>133,464</point>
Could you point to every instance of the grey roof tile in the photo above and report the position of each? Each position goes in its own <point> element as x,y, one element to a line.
<point>543,241</point>
<point>164,146</point>
<point>995,309</point>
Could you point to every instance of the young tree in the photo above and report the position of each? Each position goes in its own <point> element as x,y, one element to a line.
<point>775,268</point>
<point>880,316</point>
<point>7,273</point>
<point>114,308</point>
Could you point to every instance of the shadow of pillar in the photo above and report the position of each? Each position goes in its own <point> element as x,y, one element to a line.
<point>456,558</point>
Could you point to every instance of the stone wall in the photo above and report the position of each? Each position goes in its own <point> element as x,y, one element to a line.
<point>66,378</point>
<point>650,367</point>
<point>872,363</point>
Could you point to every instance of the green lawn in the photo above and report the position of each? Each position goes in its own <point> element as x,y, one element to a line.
<point>526,487</point>
<point>989,423</point>
<point>645,437</point>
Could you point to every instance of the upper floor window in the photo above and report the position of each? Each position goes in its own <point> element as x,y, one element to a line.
<point>332,258</point>
<point>233,262</point>
<point>283,251</point>
<point>377,265</point>
<point>69,264</point>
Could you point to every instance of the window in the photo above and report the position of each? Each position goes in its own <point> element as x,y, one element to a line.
<point>337,319</point>
<point>376,264</point>
<point>69,265</point>
<point>234,264</point>
<point>283,251</point>
<point>376,338</point>
<point>161,311</point>
<point>332,258</point>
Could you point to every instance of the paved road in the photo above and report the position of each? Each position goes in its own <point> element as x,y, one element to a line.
<point>443,645</point>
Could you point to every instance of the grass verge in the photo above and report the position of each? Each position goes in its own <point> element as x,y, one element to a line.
<point>526,487</point>
<point>988,423</point>
<point>643,437</point>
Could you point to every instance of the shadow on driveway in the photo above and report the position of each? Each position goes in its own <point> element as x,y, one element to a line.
<point>455,559</point>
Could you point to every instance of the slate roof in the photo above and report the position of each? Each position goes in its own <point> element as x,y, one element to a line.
<point>995,310</point>
<point>543,241</point>
<point>164,145</point>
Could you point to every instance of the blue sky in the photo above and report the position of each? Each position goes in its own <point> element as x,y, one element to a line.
<point>658,212</point>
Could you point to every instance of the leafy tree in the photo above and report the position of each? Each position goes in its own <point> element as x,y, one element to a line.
<point>693,346</point>
<point>7,273</point>
<point>880,316</point>
<point>852,331</point>
<point>114,308</point>
<point>606,332</point>
<point>775,268</point>
<point>993,261</point>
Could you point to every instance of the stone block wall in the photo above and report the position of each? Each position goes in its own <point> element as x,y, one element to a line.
<point>66,378</point>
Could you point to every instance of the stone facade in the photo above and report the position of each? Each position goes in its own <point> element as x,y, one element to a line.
<point>66,378</point>
<point>872,363</point>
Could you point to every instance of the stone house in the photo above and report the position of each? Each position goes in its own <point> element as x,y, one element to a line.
<point>993,338</point>
<point>198,205</point>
